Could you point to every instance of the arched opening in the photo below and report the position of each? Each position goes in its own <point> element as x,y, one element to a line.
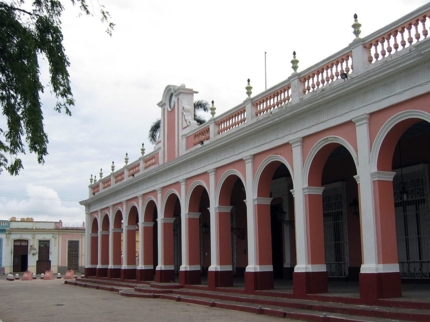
<point>131,256</point>
<point>150,242</point>
<point>232,227</point>
<point>410,161</point>
<point>198,237</point>
<point>114,271</point>
<point>276,182</point>
<point>342,234</point>
<point>171,257</point>
<point>102,270</point>
<point>333,225</point>
<point>94,247</point>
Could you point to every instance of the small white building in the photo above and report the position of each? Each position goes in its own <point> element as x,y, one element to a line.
<point>38,246</point>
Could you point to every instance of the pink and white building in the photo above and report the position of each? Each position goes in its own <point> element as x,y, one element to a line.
<point>323,176</point>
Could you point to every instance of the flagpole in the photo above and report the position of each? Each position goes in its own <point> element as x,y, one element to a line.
<point>265,71</point>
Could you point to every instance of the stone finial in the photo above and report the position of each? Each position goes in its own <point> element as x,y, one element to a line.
<point>91,179</point>
<point>295,62</point>
<point>248,88</point>
<point>112,166</point>
<point>95,179</point>
<point>101,173</point>
<point>212,108</point>
<point>356,26</point>
<point>126,159</point>
<point>142,149</point>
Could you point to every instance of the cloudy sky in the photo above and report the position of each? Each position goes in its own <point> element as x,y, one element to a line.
<point>211,46</point>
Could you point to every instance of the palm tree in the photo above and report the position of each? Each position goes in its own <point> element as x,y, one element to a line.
<point>154,131</point>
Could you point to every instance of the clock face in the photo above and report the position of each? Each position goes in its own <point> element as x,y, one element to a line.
<point>171,101</point>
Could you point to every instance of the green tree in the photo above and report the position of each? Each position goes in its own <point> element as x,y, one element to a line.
<point>154,131</point>
<point>30,31</point>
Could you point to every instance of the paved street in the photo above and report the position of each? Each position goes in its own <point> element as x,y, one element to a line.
<point>48,301</point>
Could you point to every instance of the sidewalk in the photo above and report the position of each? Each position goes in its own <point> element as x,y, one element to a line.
<point>49,301</point>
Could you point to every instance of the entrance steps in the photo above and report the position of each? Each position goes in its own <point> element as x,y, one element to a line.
<point>272,303</point>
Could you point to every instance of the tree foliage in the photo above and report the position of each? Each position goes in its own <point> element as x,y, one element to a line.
<point>154,131</point>
<point>28,32</point>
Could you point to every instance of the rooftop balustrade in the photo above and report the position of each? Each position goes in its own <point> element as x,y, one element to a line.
<point>358,57</point>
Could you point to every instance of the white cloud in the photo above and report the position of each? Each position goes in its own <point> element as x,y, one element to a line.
<point>212,47</point>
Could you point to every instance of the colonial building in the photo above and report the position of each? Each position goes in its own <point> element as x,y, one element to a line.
<point>323,176</point>
<point>38,246</point>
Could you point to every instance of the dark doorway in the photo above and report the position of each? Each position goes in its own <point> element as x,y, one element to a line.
<point>277,248</point>
<point>43,263</point>
<point>20,255</point>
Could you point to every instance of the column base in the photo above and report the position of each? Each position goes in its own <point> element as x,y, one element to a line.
<point>114,273</point>
<point>90,271</point>
<point>375,286</point>
<point>165,276</point>
<point>220,279</point>
<point>190,277</point>
<point>259,281</point>
<point>145,275</point>
<point>309,283</point>
<point>128,273</point>
<point>101,272</point>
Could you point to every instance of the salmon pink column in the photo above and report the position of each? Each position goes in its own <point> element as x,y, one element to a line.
<point>94,254</point>
<point>103,267</point>
<point>146,267</point>
<point>114,270</point>
<point>379,274</point>
<point>261,275</point>
<point>128,270</point>
<point>165,271</point>
<point>316,274</point>
<point>220,273</point>
<point>190,272</point>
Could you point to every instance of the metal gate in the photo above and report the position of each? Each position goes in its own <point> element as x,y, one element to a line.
<point>335,230</point>
<point>73,255</point>
<point>411,198</point>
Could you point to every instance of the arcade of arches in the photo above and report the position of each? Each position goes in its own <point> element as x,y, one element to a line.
<point>346,203</point>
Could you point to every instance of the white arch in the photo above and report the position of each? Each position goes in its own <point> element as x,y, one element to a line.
<point>145,205</point>
<point>131,205</point>
<point>194,185</point>
<point>264,164</point>
<point>224,177</point>
<point>388,125</point>
<point>318,146</point>
<point>166,197</point>
<point>102,217</point>
<point>114,212</point>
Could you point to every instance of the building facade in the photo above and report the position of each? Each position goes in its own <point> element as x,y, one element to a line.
<point>38,246</point>
<point>323,176</point>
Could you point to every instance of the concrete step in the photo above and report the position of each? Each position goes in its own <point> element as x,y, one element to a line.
<point>304,309</point>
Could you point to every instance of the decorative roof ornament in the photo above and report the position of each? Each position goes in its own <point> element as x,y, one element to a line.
<point>295,63</point>
<point>91,179</point>
<point>212,108</point>
<point>142,149</point>
<point>126,159</point>
<point>249,89</point>
<point>113,166</point>
<point>356,26</point>
<point>101,173</point>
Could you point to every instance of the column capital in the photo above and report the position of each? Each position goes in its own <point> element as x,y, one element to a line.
<point>313,190</point>
<point>296,142</point>
<point>360,120</point>
<point>223,208</point>
<point>248,158</point>
<point>382,175</point>
<point>262,201</point>
<point>166,220</point>
<point>192,215</point>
